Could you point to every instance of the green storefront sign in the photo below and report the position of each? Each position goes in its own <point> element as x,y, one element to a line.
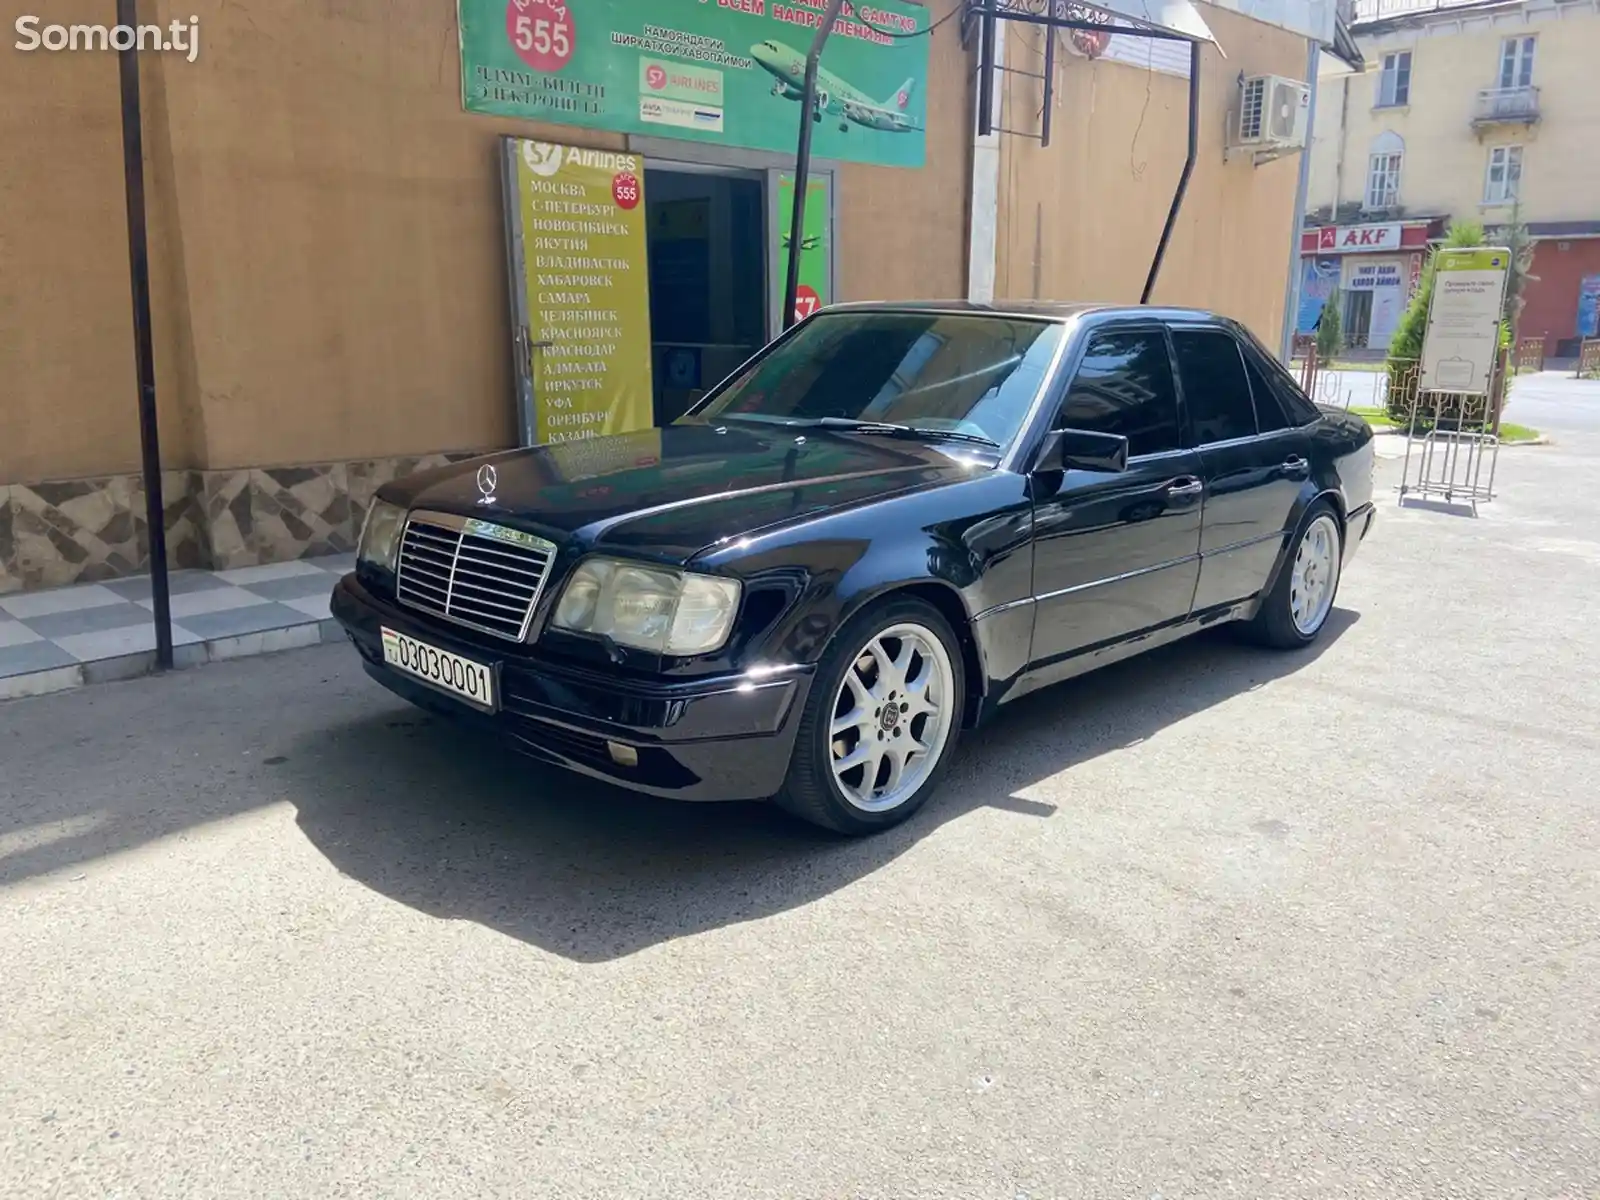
<point>816,250</point>
<point>728,72</point>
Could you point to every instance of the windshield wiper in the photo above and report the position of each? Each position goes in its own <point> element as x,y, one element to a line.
<point>891,429</point>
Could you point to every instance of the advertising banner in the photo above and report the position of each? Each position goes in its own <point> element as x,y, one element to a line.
<point>1319,277</point>
<point>816,244</point>
<point>1589,306</point>
<point>581,290</point>
<point>1463,335</point>
<point>728,72</point>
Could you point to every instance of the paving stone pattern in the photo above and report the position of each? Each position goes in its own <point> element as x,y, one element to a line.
<point>99,622</point>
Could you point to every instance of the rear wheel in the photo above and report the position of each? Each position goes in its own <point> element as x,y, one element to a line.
<point>1295,611</point>
<point>881,721</point>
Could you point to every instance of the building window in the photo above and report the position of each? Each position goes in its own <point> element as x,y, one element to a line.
<point>1394,81</point>
<point>1383,172</point>
<point>1516,63</point>
<point>1504,178</point>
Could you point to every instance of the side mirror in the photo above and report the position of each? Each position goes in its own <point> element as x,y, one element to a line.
<point>1083,450</point>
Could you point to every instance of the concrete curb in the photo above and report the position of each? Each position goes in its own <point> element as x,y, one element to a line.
<point>192,654</point>
<point>1542,440</point>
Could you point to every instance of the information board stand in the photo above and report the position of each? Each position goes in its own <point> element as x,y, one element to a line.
<point>1454,414</point>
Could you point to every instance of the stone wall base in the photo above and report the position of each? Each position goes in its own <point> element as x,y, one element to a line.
<point>86,530</point>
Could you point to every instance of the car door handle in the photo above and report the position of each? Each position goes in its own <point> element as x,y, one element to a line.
<point>1296,466</point>
<point>1183,488</point>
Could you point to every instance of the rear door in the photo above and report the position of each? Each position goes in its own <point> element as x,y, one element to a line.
<point>1118,553</point>
<point>1253,459</point>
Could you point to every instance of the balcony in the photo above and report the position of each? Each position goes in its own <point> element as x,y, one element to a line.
<point>1506,106</point>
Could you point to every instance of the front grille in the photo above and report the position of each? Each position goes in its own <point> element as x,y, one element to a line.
<point>484,576</point>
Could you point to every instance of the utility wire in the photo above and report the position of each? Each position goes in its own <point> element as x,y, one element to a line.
<point>889,33</point>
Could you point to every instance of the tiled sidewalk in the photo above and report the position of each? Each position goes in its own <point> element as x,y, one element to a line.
<point>61,638</point>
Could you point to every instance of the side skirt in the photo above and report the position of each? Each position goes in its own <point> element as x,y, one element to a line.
<point>1103,656</point>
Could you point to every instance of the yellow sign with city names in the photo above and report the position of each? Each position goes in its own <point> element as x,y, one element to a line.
<point>584,259</point>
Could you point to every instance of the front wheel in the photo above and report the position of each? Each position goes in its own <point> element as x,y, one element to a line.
<point>1295,611</point>
<point>881,721</point>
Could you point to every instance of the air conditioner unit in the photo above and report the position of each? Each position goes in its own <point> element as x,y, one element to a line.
<point>1272,113</point>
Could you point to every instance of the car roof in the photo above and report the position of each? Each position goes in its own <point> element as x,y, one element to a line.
<point>1044,310</point>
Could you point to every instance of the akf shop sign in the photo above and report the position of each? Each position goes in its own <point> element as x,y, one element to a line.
<point>1349,239</point>
<point>728,72</point>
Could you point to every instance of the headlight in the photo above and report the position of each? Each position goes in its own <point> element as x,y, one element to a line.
<point>380,535</point>
<point>669,612</point>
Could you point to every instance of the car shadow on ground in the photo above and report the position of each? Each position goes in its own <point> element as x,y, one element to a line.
<point>447,821</point>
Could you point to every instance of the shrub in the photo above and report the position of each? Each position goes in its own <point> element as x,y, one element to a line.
<point>1330,338</point>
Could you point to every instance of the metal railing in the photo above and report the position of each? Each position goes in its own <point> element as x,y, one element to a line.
<point>1452,439</point>
<point>1506,104</point>
<point>1589,359</point>
<point>1531,353</point>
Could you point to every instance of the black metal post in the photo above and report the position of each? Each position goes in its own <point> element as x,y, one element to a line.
<point>1049,87</point>
<point>1183,178</point>
<point>143,349</point>
<point>986,67</point>
<point>802,159</point>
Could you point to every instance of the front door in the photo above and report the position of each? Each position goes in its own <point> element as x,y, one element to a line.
<point>1115,554</point>
<point>1357,319</point>
<point>1253,466</point>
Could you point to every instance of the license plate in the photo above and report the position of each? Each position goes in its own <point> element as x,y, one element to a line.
<point>469,681</point>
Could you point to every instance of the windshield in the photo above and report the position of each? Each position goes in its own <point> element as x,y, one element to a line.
<point>970,375</point>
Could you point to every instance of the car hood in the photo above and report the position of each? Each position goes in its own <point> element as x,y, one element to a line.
<point>670,493</point>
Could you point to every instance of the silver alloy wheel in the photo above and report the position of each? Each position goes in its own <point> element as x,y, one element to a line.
<point>891,717</point>
<point>1315,576</point>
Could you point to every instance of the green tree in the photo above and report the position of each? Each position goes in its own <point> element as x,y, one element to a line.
<point>1405,347</point>
<point>1520,242</point>
<point>1330,339</point>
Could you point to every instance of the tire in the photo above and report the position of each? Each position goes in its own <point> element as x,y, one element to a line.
<point>842,799</point>
<point>1287,619</point>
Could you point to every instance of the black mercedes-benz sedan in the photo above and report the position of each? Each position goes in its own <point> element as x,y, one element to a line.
<point>889,523</point>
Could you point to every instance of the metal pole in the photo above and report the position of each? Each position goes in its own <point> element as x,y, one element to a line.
<point>143,350</point>
<point>1183,179</point>
<point>1291,298</point>
<point>802,160</point>
<point>1049,87</point>
<point>986,65</point>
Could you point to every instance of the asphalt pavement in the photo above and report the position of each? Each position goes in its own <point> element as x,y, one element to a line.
<point>1219,922</point>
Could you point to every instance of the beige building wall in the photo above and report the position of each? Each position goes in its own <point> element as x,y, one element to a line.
<point>67,399</point>
<point>1446,158</point>
<point>1080,219</point>
<point>327,240</point>
<point>904,233</point>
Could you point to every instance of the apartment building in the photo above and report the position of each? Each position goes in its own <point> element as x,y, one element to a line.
<point>1464,112</point>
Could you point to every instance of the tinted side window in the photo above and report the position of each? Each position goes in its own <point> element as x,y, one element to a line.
<point>1269,410</point>
<point>1269,377</point>
<point>1215,389</point>
<point>1125,386</point>
<point>1299,406</point>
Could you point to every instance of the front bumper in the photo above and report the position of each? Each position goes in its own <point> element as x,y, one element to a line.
<point>727,738</point>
